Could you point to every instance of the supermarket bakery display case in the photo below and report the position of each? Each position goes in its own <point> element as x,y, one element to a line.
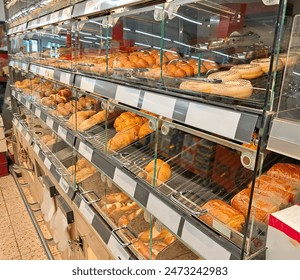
<point>152,118</point>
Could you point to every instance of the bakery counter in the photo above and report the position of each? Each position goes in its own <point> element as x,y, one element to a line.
<point>142,192</point>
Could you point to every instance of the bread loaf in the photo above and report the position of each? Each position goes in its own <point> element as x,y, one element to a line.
<point>286,171</point>
<point>223,212</point>
<point>77,118</point>
<point>261,208</point>
<point>155,235</point>
<point>162,172</point>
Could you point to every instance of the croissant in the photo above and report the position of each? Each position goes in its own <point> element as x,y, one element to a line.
<point>163,172</point>
<point>79,117</point>
<point>127,120</point>
<point>145,130</point>
<point>124,138</point>
<point>93,120</point>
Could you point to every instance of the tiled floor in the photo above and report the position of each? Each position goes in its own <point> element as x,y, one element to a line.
<point>18,237</point>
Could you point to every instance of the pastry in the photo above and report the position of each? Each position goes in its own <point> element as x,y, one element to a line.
<point>237,88</point>
<point>144,130</point>
<point>223,212</point>
<point>248,71</point>
<point>124,138</point>
<point>126,120</point>
<point>114,197</point>
<point>162,174</point>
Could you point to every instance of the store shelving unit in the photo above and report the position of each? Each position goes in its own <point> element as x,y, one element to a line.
<point>226,123</point>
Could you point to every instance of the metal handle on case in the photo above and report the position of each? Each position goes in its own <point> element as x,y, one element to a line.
<point>92,201</point>
<point>114,234</point>
<point>85,136</point>
<point>194,213</point>
<point>61,174</point>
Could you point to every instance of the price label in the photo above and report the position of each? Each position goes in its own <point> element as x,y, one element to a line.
<point>87,84</point>
<point>54,16</point>
<point>85,151</point>
<point>24,66</point>
<point>221,228</point>
<point>66,13</point>
<point>27,137</point>
<point>62,133</point>
<point>87,212</point>
<point>13,93</point>
<point>124,181</point>
<point>19,126</point>
<point>49,122</point>
<point>33,69</point>
<point>92,6</point>
<point>49,73</point>
<point>47,163</point>
<point>38,112</point>
<point>63,183</point>
<point>41,71</point>
<point>18,97</point>
<point>65,78</point>
<point>27,104</point>
<point>15,122</point>
<point>36,148</point>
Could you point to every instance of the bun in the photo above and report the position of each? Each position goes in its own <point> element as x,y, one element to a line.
<point>114,197</point>
<point>285,171</point>
<point>142,248</point>
<point>223,212</point>
<point>163,172</point>
<point>248,71</point>
<point>156,235</point>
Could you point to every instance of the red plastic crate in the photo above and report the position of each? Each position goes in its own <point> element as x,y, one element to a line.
<point>3,169</point>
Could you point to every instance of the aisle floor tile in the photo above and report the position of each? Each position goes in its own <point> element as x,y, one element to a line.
<point>28,241</point>
<point>9,249</point>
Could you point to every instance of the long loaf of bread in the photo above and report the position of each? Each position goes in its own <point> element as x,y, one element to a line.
<point>93,120</point>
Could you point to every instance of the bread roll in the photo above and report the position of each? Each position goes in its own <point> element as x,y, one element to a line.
<point>162,172</point>
<point>265,64</point>
<point>124,138</point>
<point>286,171</point>
<point>125,219</point>
<point>114,197</point>
<point>261,208</point>
<point>142,248</point>
<point>78,117</point>
<point>156,235</point>
<point>223,212</point>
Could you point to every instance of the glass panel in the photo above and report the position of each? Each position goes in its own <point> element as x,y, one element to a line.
<point>289,102</point>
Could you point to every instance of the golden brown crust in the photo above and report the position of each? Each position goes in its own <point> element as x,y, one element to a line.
<point>223,212</point>
<point>287,171</point>
<point>162,172</point>
<point>261,206</point>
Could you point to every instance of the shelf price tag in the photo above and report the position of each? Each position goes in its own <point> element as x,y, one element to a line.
<point>127,95</point>
<point>92,6</point>
<point>87,212</point>
<point>47,163</point>
<point>85,151</point>
<point>63,183</point>
<point>87,84</point>
<point>54,16</point>
<point>49,73</point>
<point>66,13</point>
<point>38,112</point>
<point>19,126</point>
<point>27,104</point>
<point>222,228</point>
<point>62,133</point>
<point>15,122</point>
<point>36,148</point>
<point>65,78</point>
<point>27,137</point>
<point>124,181</point>
<point>49,122</point>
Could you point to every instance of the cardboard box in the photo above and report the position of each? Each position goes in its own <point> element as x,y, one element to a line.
<point>283,238</point>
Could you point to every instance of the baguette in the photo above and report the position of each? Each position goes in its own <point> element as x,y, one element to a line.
<point>79,117</point>
<point>93,120</point>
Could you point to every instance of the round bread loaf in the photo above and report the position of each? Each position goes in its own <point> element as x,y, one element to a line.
<point>248,71</point>
<point>225,75</point>
<point>265,64</point>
